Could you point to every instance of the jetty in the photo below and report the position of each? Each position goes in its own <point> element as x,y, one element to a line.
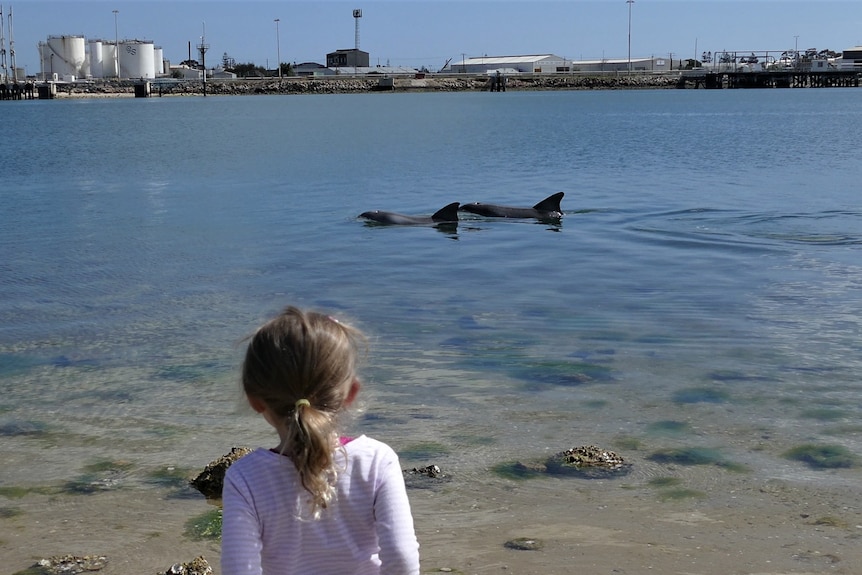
<point>768,69</point>
<point>769,79</point>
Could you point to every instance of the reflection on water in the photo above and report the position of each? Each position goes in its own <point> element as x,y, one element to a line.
<point>704,305</point>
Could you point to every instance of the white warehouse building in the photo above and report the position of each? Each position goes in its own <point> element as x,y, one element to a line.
<point>537,63</point>
<point>549,63</point>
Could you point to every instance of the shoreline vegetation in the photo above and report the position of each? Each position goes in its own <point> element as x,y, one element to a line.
<point>364,84</point>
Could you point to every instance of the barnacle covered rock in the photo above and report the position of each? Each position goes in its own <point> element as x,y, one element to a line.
<point>197,566</point>
<point>211,480</point>
<point>588,461</point>
<point>424,477</point>
<point>70,564</point>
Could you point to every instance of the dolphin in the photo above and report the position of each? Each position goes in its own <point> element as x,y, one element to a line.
<point>547,208</point>
<point>445,215</point>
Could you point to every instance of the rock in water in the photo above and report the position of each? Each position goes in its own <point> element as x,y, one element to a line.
<point>211,480</point>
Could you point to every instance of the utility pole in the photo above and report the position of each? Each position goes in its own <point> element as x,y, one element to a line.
<point>278,48</point>
<point>116,44</point>
<point>630,2</point>
<point>203,47</point>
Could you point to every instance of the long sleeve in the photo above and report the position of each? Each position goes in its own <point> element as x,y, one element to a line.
<point>241,540</point>
<point>399,549</point>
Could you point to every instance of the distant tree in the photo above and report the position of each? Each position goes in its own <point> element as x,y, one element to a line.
<point>190,63</point>
<point>246,70</point>
<point>286,69</point>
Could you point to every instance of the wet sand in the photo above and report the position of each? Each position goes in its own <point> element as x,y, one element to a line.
<point>740,525</point>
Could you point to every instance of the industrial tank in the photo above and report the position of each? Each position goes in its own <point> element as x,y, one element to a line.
<point>137,59</point>
<point>159,57</point>
<point>109,60</point>
<point>96,70</point>
<point>65,56</point>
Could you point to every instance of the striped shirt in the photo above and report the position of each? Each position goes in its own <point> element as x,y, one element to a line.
<point>367,530</point>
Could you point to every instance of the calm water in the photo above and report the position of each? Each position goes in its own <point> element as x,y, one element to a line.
<point>702,289</point>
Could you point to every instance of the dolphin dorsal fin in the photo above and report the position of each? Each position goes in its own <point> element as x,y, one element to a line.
<point>551,203</point>
<point>447,213</point>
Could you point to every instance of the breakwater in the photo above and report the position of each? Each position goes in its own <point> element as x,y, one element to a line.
<point>357,84</point>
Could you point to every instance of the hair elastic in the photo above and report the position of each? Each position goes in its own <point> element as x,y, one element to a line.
<point>299,402</point>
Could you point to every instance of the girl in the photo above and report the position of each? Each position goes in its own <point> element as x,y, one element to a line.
<point>317,503</point>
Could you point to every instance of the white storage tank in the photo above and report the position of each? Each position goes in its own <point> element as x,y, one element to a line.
<point>64,56</point>
<point>159,57</point>
<point>137,59</point>
<point>96,66</point>
<point>109,60</point>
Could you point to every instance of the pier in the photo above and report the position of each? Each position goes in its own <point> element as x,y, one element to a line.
<point>769,79</point>
<point>768,69</point>
<point>17,91</point>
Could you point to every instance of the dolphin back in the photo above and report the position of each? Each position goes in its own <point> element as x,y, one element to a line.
<point>551,203</point>
<point>447,213</point>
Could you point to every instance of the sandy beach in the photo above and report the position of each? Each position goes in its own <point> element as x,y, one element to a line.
<point>736,524</point>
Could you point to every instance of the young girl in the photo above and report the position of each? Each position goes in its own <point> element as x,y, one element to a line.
<point>317,503</point>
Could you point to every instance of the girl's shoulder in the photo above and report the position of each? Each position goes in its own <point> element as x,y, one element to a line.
<point>369,447</point>
<point>254,459</point>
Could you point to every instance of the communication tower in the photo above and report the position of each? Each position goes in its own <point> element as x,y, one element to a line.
<point>4,70</point>
<point>202,48</point>
<point>357,14</point>
<point>12,63</point>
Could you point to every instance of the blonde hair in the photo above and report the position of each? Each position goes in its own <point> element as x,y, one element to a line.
<point>301,365</point>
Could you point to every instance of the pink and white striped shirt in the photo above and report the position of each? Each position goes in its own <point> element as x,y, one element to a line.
<point>367,530</point>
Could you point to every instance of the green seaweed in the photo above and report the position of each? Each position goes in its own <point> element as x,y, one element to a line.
<point>701,395</point>
<point>595,403</point>
<point>681,493</point>
<point>830,521</point>
<point>562,373</point>
<point>423,450</point>
<point>669,427</point>
<point>515,470</point>
<point>24,428</point>
<point>10,512</point>
<point>733,467</point>
<point>175,477</point>
<point>205,526</point>
<point>108,466</point>
<point>823,456</point>
<point>481,440</point>
<point>627,443</point>
<point>14,491</point>
<point>687,456</point>
<point>664,482</point>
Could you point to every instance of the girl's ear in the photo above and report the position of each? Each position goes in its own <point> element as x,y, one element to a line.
<point>352,392</point>
<point>256,404</point>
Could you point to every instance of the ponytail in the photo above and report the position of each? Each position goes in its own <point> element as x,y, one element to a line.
<point>301,366</point>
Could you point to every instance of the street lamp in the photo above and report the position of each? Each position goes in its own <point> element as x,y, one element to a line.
<point>116,44</point>
<point>630,2</point>
<point>278,48</point>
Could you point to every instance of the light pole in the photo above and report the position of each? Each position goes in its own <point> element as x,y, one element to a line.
<point>630,2</point>
<point>278,48</point>
<point>116,44</point>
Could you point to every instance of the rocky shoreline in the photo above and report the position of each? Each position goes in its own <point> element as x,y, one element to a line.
<point>348,85</point>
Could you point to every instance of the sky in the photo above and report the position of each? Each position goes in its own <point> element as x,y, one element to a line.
<point>428,33</point>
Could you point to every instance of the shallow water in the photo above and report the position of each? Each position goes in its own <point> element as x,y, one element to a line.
<point>700,291</point>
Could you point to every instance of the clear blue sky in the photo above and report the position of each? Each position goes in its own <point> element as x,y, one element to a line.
<point>427,33</point>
